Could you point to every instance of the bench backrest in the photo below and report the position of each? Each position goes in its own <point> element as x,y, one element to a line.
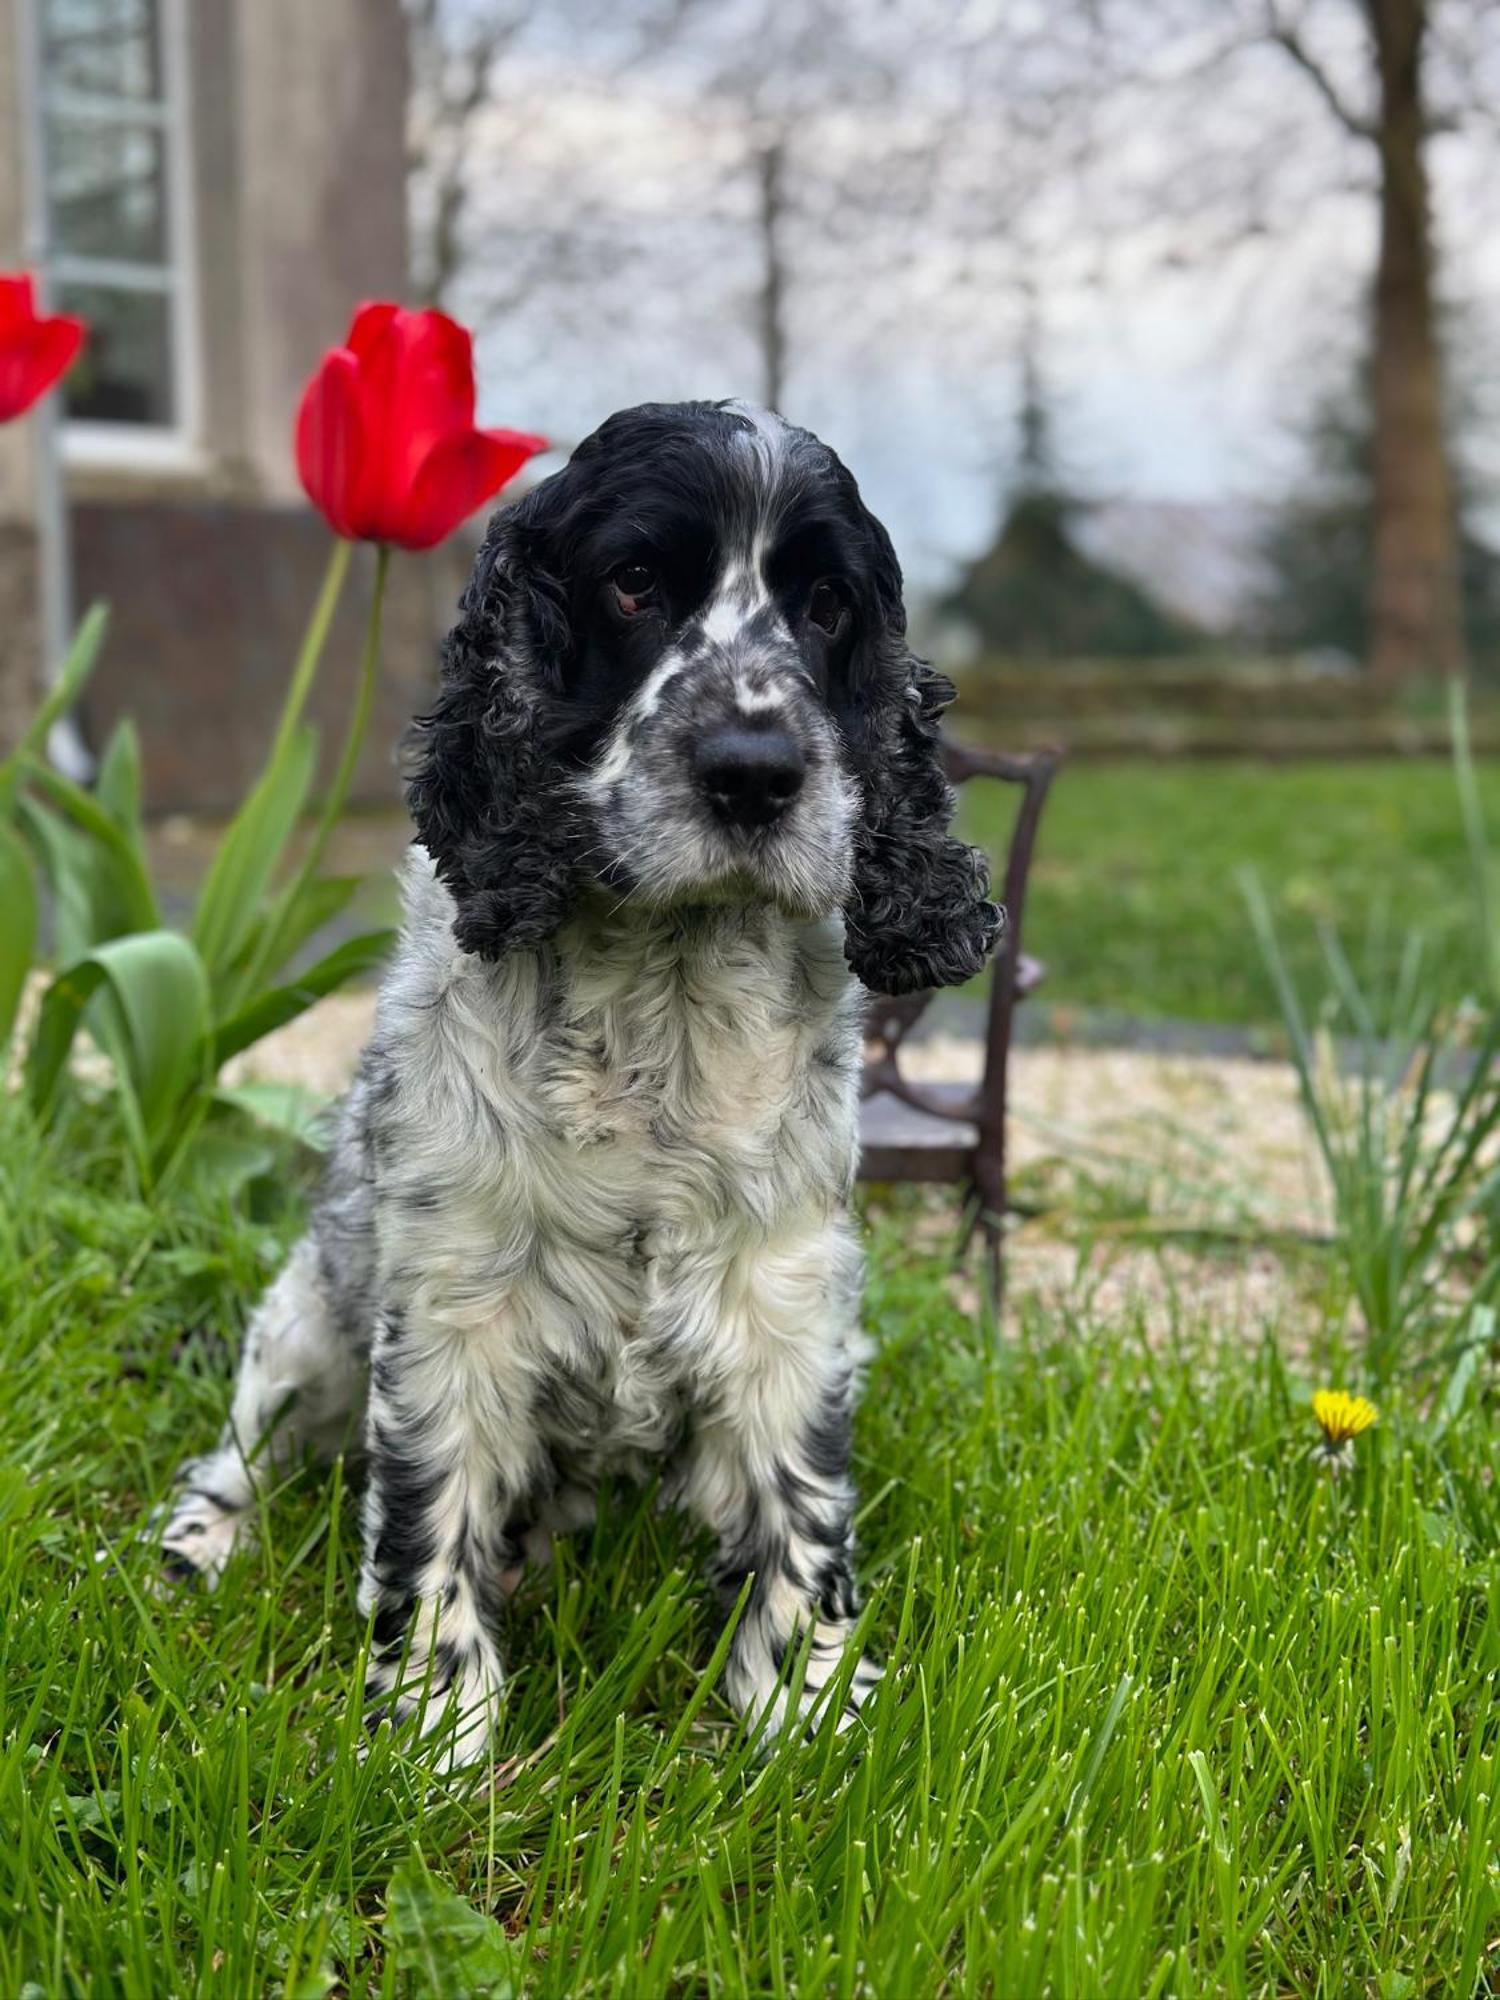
<point>891,1020</point>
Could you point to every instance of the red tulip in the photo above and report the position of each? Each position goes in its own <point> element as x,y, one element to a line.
<point>386,444</point>
<point>33,351</point>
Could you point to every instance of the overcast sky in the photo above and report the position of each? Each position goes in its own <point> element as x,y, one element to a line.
<point>617,233</point>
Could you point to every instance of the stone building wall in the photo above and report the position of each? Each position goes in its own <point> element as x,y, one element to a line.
<point>201,659</point>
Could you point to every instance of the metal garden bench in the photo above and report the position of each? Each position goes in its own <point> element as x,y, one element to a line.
<point>955,1132</point>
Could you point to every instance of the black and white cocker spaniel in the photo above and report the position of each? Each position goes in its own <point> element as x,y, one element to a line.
<point>680,796</point>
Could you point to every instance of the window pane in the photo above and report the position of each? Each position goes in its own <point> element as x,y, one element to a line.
<point>108,47</point>
<point>124,374</point>
<point>106,182</point>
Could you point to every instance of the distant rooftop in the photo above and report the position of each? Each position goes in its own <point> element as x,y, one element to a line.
<point>1199,559</point>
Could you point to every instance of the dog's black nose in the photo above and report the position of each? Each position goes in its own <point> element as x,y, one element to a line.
<point>750,776</point>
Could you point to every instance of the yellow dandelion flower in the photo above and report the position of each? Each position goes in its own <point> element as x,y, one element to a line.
<point>1341,1418</point>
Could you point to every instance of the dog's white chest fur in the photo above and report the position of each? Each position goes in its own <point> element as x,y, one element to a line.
<point>597,1141</point>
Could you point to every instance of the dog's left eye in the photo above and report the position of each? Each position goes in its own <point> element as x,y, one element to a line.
<point>634,586</point>
<point>826,607</point>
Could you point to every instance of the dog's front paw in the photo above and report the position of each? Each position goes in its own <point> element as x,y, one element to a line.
<point>820,1698</point>
<point>196,1535</point>
<point>761,1688</point>
<point>453,1708</point>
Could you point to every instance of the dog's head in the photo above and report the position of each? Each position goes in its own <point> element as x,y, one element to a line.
<point>680,672</point>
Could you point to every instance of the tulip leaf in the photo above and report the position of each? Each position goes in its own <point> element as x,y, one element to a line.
<point>96,866</point>
<point>96,894</point>
<point>148,1002</point>
<point>18,926</point>
<point>118,785</point>
<point>224,1158</point>
<point>249,853</point>
<point>65,690</point>
<point>284,1107</point>
<point>274,1009</point>
<point>293,916</point>
<point>67,864</point>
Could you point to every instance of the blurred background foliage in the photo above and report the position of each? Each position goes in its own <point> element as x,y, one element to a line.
<point>1100,298</point>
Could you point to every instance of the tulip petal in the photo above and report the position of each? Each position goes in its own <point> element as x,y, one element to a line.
<point>368,324</point>
<point>527,443</point>
<point>32,357</point>
<point>17,300</point>
<point>433,395</point>
<point>58,340</point>
<point>460,473</point>
<point>416,385</point>
<point>386,443</point>
<point>331,445</point>
<point>376,343</point>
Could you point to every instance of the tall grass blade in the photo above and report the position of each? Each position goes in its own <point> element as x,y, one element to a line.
<point>1480,860</point>
<point>1407,1143</point>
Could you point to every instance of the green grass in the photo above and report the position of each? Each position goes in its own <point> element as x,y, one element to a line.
<point>1167,1709</point>
<point>1135,902</point>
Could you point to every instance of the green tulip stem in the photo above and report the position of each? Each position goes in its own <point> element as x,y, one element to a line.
<point>343,777</point>
<point>313,642</point>
<point>359,722</point>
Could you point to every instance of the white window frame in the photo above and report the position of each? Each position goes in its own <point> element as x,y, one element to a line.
<point>166,448</point>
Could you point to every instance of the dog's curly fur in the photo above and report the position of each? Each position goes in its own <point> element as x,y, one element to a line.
<point>587,1205</point>
<point>488,794</point>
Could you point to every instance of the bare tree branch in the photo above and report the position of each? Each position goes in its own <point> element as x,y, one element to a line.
<point>1287,37</point>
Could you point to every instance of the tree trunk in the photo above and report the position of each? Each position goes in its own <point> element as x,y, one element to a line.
<point>1416,610</point>
<point>772,286</point>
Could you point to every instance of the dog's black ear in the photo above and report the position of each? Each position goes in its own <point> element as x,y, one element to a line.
<point>485,789</point>
<point>919,913</point>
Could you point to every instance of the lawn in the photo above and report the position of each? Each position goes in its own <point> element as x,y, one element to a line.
<point>1167,1710</point>
<point>1136,900</point>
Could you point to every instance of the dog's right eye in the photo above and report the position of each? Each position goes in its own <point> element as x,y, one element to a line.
<point>634,586</point>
